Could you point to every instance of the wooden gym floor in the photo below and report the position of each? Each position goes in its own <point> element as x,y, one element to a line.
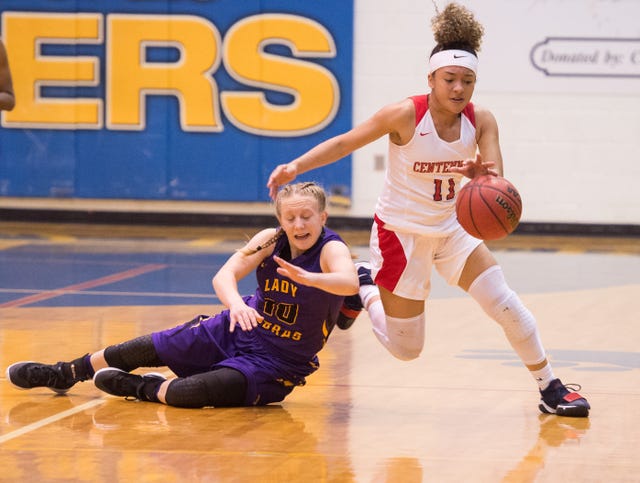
<point>466,410</point>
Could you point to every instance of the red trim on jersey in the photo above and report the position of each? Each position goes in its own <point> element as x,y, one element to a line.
<point>470,113</point>
<point>421,105</point>
<point>393,259</point>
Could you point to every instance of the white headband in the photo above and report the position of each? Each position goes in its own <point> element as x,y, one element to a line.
<point>453,57</point>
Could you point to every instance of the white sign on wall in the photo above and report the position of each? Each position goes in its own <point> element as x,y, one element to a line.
<point>587,57</point>
<point>584,46</point>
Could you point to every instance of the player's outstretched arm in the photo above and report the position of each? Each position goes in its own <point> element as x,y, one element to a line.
<point>238,266</point>
<point>386,121</point>
<point>338,274</point>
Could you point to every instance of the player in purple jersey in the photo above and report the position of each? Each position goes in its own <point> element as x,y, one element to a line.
<point>304,270</point>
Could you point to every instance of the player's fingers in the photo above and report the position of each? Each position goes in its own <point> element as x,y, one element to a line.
<point>273,181</point>
<point>250,320</point>
<point>255,321</point>
<point>283,264</point>
<point>285,272</point>
<point>241,319</point>
<point>244,325</point>
<point>273,188</point>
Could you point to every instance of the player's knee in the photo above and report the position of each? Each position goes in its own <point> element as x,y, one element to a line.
<point>502,304</point>
<point>406,337</point>
<point>187,393</point>
<point>405,353</point>
<point>520,324</point>
<point>223,387</point>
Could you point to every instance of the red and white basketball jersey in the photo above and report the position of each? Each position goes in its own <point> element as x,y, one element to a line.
<point>419,192</point>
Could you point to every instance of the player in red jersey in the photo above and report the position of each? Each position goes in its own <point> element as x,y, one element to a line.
<point>433,141</point>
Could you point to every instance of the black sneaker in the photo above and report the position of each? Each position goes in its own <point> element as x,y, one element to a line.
<point>121,383</point>
<point>28,374</point>
<point>352,305</point>
<point>563,400</point>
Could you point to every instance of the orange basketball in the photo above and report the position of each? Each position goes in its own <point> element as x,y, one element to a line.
<point>489,207</point>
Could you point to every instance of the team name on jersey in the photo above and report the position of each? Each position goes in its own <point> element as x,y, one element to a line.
<point>436,166</point>
<point>282,286</point>
<point>278,330</point>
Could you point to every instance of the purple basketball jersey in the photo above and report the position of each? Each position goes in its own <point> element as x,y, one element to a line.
<point>297,319</point>
<point>279,353</point>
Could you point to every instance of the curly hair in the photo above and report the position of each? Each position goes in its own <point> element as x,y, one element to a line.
<point>456,28</point>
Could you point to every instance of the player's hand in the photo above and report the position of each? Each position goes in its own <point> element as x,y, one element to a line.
<point>293,272</point>
<point>473,168</point>
<point>244,316</point>
<point>283,174</point>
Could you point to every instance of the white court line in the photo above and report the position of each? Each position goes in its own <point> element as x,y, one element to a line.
<point>57,417</point>
<point>51,419</point>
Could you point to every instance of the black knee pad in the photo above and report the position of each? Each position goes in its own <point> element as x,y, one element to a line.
<point>224,387</point>
<point>138,352</point>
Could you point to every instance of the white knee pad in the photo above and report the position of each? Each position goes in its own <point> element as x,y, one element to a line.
<point>502,304</point>
<point>404,338</point>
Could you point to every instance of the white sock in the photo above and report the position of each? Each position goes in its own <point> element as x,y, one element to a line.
<point>378,320</point>
<point>543,376</point>
<point>367,294</point>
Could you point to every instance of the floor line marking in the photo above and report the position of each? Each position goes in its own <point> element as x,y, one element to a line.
<point>114,293</point>
<point>116,277</point>
<point>61,415</point>
<point>51,419</point>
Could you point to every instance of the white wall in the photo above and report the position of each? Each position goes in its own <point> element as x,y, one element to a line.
<point>570,144</point>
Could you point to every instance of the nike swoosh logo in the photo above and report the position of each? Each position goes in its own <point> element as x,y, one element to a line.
<point>425,133</point>
<point>459,56</point>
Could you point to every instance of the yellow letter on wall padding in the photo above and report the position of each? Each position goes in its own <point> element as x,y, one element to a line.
<point>314,88</point>
<point>24,33</point>
<point>131,77</point>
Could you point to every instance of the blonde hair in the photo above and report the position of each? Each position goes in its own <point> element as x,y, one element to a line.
<point>456,28</point>
<point>309,189</point>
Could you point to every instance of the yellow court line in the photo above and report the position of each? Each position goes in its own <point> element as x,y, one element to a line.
<point>6,244</point>
<point>62,239</point>
<point>205,242</point>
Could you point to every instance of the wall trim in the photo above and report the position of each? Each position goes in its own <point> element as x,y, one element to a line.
<point>172,218</point>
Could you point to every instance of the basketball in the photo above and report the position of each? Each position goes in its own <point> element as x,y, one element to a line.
<point>489,207</point>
